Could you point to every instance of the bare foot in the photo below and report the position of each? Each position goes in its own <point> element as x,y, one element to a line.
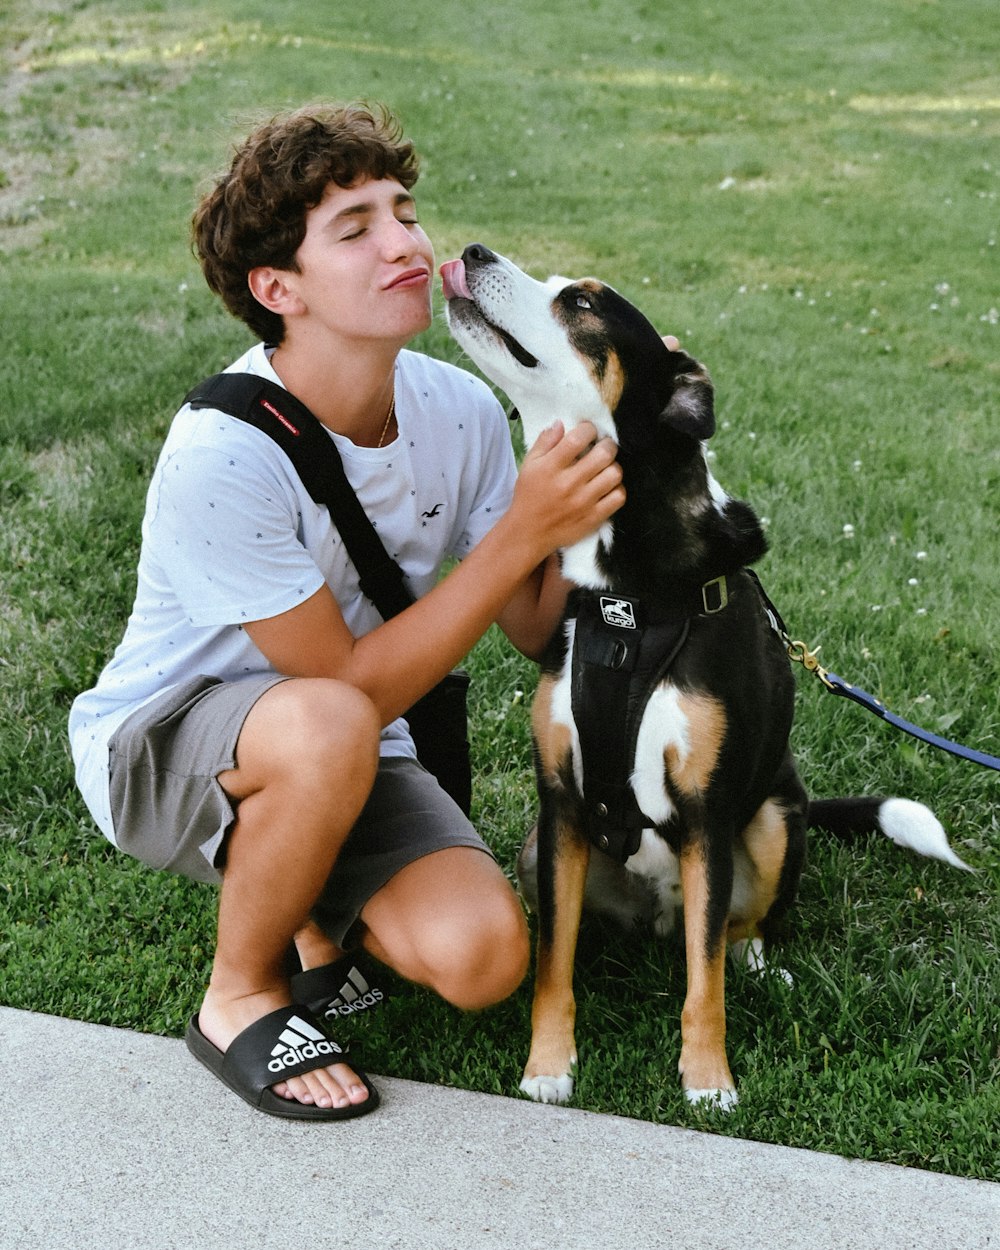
<point>221,1020</point>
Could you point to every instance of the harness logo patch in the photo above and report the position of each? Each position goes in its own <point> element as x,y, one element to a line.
<point>618,612</point>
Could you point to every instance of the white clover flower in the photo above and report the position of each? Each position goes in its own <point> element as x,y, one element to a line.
<point>921,555</point>
<point>848,530</point>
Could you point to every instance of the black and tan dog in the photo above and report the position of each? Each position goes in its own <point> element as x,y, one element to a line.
<point>664,707</point>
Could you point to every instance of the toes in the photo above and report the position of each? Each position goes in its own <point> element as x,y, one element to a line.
<point>551,1089</point>
<point>350,1083</point>
<point>336,1086</point>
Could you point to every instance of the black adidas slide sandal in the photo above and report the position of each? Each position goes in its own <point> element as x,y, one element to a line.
<point>285,1043</point>
<point>346,987</point>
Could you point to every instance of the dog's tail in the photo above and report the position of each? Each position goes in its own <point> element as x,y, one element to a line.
<point>902,821</point>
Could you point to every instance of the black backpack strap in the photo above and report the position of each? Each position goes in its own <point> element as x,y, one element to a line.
<point>262,403</point>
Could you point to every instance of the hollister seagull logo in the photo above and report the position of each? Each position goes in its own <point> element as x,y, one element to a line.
<point>297,1042</point>
<point>618,612</point>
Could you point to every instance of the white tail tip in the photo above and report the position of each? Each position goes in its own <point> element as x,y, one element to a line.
<point>916,827</point>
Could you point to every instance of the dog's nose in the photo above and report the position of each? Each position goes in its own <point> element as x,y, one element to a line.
<point>478,254</point>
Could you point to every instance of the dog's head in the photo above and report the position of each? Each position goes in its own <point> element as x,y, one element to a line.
<point>576,350</point>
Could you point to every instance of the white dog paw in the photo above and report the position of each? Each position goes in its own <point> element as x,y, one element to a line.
<point>712,1099</point>
<point>750,952</point>
<point>552,1089</point>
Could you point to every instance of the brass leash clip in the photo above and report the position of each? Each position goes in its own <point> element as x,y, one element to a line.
<point>800,653</point>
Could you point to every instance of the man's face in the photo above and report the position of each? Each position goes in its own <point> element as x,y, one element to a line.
<point>365,265</point>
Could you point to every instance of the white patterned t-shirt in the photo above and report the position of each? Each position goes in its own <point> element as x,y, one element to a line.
<point>230,535</point>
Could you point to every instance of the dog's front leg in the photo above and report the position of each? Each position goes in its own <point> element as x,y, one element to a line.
<point>704,1068</point>
<point>563,858</point>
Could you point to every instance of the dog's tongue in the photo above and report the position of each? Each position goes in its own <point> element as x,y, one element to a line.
<point>453,280</point>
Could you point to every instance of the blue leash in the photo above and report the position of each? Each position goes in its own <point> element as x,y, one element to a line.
<point>839,686</point>
<point>800,653</point>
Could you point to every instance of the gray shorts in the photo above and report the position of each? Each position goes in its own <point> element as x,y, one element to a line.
<point>170,812</point>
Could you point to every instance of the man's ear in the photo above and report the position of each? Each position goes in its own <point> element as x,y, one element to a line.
<point>270,287</point>
<point>690,408</point>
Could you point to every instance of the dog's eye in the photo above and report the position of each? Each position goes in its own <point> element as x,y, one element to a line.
<point>582,301</point>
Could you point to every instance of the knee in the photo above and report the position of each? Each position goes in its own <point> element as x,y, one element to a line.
<point>487,961</point>
<point>328,727</point>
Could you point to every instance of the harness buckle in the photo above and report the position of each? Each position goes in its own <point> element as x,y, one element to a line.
<point>715,595</point>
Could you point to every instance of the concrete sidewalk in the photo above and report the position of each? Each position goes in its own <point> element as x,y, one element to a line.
<point>119,1140</point>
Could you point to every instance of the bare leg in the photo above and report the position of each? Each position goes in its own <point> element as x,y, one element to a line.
<point>306,761</point>
<point>314,948</point>
<point>451,921</point>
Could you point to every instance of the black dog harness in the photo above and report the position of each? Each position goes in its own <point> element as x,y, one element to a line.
<point>620,654</point>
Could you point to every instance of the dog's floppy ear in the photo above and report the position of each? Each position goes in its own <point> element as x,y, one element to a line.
<point>690,408</point>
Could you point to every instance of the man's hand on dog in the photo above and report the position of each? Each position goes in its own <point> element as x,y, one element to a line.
<point>569,485</point>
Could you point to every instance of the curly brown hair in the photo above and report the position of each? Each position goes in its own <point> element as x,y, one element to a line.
<point>256,212</point>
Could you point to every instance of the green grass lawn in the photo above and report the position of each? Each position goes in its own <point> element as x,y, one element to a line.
<point>808,197</point>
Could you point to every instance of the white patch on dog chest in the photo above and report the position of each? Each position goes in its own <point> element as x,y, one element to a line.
<point>562,704</point>
<point>664,725</point>
<point>579,562</point>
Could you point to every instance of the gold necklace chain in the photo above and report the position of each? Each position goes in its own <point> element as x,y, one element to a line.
<point>388,418</point>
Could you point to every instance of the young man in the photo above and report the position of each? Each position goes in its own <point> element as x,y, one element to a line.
<point>248,729</point>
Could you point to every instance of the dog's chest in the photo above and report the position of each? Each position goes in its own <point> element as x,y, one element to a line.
<point>580,562</point>
<point>663,738</point>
